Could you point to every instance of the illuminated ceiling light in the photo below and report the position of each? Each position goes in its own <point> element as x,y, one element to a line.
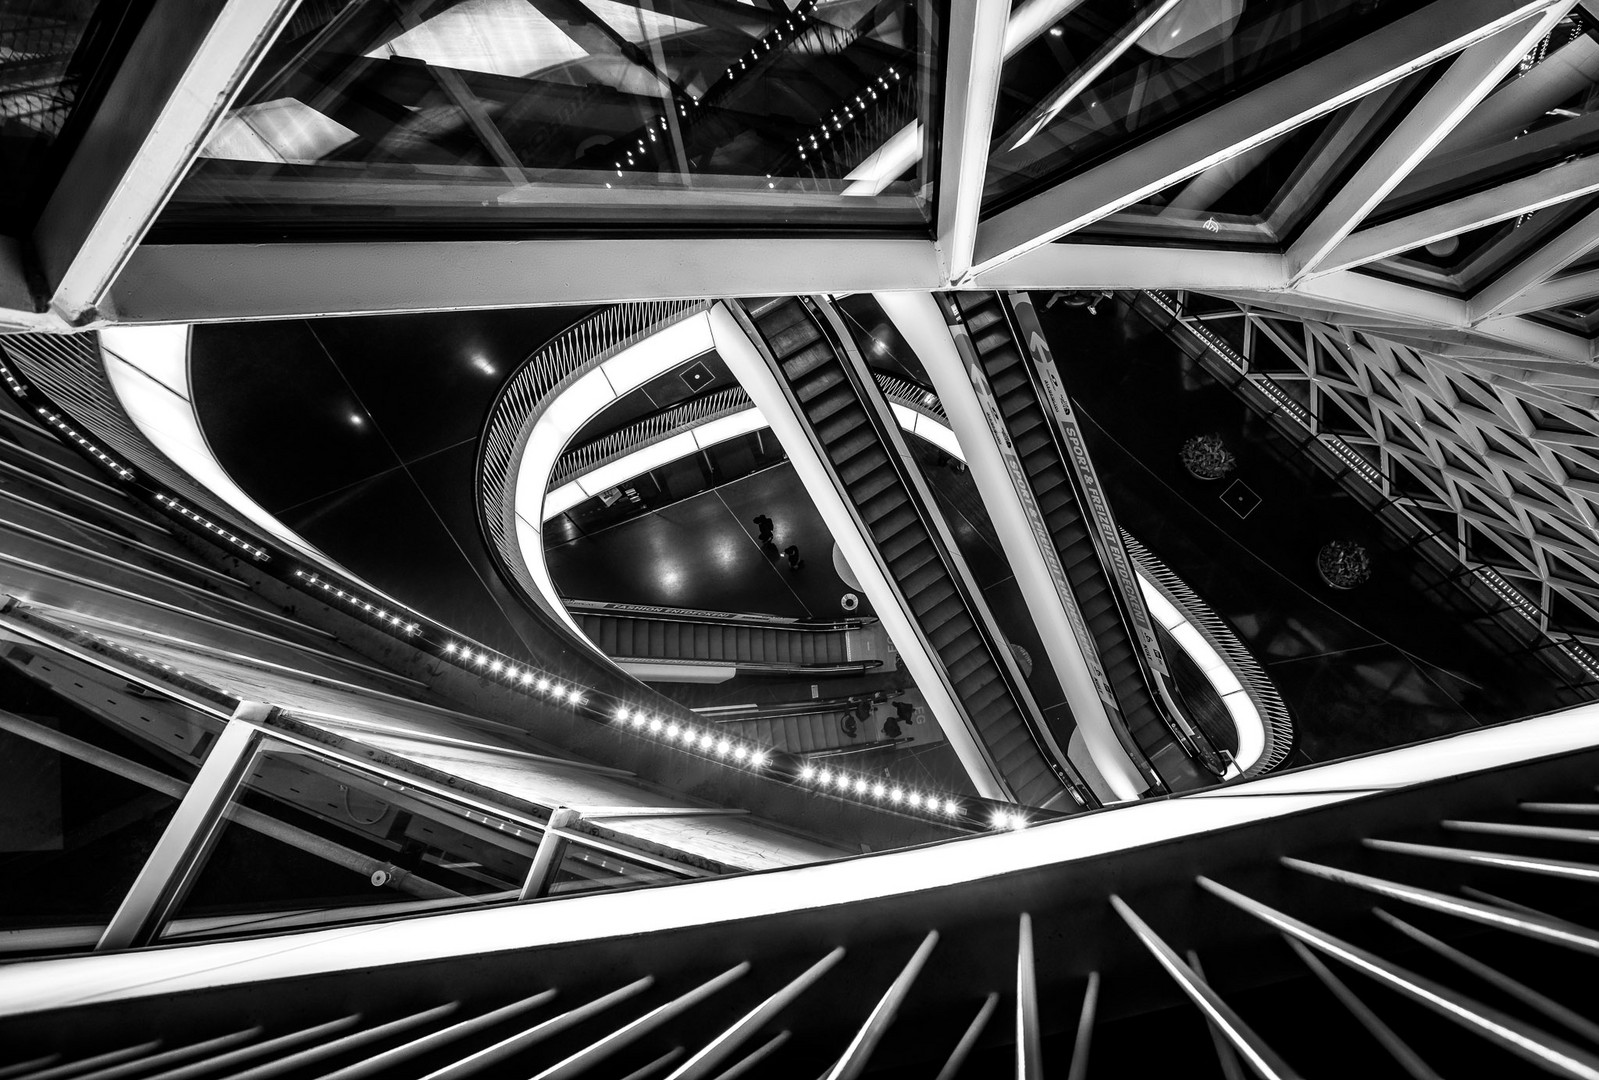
<point>807,772</point>
<point>671,729</point>
<point>896,795</point>
<point>655,725</point>
<point>496,667</point>
<point>623,714</point>
<point>759,758</point>
<point>449,650</point>
<point>544,684</point>
<point>879,790</point>
<point>826,777</point>
<point>1000,819</point>
<point>527,677</point>
<point>740,753</point>
<point>723,747</point>
<point>860,785</point>
<point>951,807</point>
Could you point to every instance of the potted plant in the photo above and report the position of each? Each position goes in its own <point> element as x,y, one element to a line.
<point>1343,564</point>
<point>1207,457</point>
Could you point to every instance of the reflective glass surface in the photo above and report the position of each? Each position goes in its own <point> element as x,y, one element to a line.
<point>1263,196</point>
<point>1544,113</point>
<point>1110,74</point>
<point>1464,263</point>
<point>90,774</point>
<point>49,53</point>
<point>637,115</point>
<point>314,840</point>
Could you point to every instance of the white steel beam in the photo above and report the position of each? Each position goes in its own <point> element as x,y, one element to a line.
<point>917,317</point>
<point>1570,289</point>
<point>1470,78</point>
<point>743,357</point>
<point>1330,297</point>
<point>971,87</point>
<point>237,282</point>
<point>1497,297</point>
<point>1558,184</point>
<point>1128,266</point>
<point>185,66</point>
<point>1311,90</point>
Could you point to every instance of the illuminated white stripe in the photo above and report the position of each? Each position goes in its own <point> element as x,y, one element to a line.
<point>1240,707</point>
<point>54,984</point>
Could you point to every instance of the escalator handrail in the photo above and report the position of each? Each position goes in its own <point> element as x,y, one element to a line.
<point>889,433</point>
<point>1192,740</point>
<point>741,312</point>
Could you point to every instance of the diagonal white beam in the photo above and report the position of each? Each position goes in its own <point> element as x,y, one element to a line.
<point>1044,113</point>
<point>1311,90</point>
<point>183,69</point>
<point>904,148</point>
<point>1555,185</point>
<point>1498,296</point>
<point>971,87</point>
<point>1471,77</point>
<point>1570,289</point>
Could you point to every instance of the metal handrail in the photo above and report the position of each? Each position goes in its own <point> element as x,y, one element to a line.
<point>523,397</point>
<point>1356,465</point>
<point>993,640</point>
<point>1220,636</point>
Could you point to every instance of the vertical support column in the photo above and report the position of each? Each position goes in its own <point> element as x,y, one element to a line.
<point>1021,532</point>
<point>744,359</point>
<point>552,847</point>
<point>180,852</point>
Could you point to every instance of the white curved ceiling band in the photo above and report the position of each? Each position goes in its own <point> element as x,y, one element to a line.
<point>148,368</point>
<point>651,360</point>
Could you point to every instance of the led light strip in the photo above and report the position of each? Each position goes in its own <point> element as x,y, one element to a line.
<point>875,791</point>
<point>849,115</point>
<point>55,421</point>
<point>705,739</point>
<point>17,388</point>
<point>257,553</point>
<point>383,615</point>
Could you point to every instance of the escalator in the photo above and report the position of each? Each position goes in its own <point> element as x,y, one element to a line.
<point>852,427</point>
<point>712,638</point>
<point>1045,463</point>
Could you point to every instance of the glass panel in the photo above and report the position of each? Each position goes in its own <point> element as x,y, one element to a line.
<point>308,840</point>
<point>1263,196</point>
<point>83,799</point>
<point>517,113</point>
<point>1533,120</point>
<point>50,51</point>
<point>1466,262</point>
<point>1098,80</point>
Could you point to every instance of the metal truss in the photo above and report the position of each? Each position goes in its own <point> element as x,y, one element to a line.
<point>1508,468</point>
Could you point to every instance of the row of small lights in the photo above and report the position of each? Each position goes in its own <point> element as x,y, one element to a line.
<point>764,44</point>
<point>508,671</point>
<point>692,737</point>
<point>255,552</point>
<point>877,792</point>
<point>837,120</point>
<point>55,421</point>
<point>671,732</point>
<point>381,614</point>
<point>17,387</point>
